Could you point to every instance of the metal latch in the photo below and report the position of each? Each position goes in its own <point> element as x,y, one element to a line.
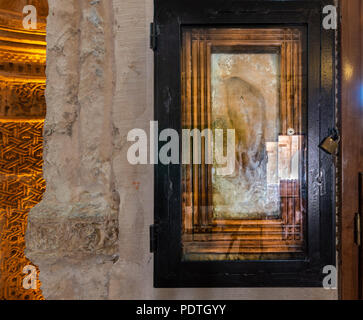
<point>320,179</point>
<point>331,143</point>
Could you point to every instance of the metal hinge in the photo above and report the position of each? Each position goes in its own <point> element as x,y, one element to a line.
<point>357,230</point>
<point>153,237</point>
<point>153,36</point>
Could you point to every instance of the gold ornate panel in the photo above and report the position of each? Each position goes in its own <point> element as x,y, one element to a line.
<point>22,112</point>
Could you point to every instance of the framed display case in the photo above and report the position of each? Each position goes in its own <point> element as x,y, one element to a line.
<point>262,214</point>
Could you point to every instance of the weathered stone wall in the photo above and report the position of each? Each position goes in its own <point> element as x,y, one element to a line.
<point>72,234</point>
<point>89,235</point>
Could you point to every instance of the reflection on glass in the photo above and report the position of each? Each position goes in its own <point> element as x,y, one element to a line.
<point>245,97</point>
<point>249,80</point>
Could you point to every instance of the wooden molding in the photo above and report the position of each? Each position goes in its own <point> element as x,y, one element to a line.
<point>351,144</point>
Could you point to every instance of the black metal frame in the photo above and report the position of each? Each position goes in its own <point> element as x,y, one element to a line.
<point>169,269</point>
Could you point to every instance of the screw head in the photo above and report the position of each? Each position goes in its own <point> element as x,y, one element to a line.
<point>290,131</point>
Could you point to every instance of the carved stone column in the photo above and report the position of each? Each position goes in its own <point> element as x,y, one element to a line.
<point>72,234</point>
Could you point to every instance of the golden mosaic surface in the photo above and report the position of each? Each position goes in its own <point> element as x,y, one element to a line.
<point>22,112</point>
<point>21,188</point>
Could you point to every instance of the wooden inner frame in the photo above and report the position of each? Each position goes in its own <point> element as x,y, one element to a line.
<point>201,234</point>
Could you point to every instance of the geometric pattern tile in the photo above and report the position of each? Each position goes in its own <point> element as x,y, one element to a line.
<point>21,146</point>
<point>20,99</point>
<point>22,103</point>
<point>21,188</point>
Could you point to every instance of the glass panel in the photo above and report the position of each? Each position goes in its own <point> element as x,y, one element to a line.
<point>243,90</point>
<point>245,97</point>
